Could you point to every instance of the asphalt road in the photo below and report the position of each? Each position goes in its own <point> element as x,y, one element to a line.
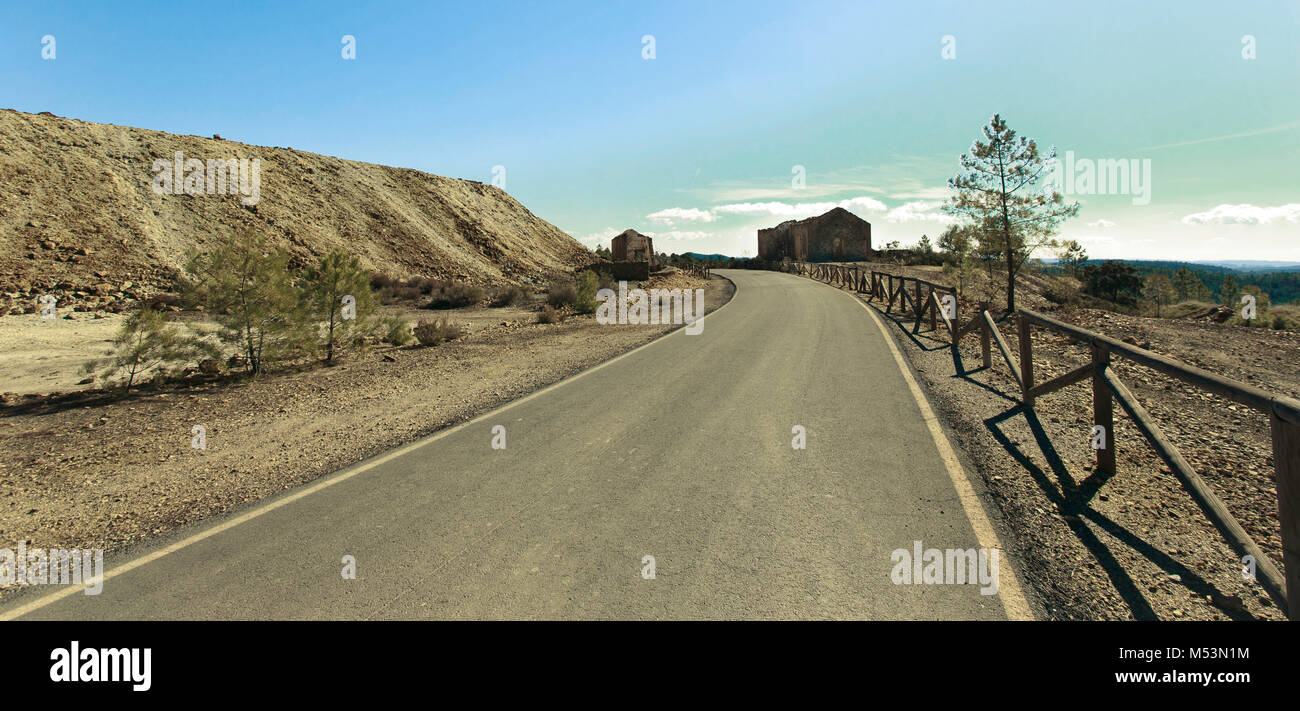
<point>680,450</point>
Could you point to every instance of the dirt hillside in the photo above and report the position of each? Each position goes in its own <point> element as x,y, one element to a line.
<point>79,212</point>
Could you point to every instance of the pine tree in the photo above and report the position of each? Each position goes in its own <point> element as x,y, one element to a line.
<point>144,343</point>
<point>337,305</point>
<point>1159,289</point>
<point>1072,256</point>
<point>995,193</point>
<point>245,285</point>
<point>1229,291</point>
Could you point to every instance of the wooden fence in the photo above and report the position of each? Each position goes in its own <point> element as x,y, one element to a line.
<point>917,298</point>
<point>692,270</point>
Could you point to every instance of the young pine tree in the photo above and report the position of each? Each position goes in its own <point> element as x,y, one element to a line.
<point>145,343</point>
<point>1159,290</point>
<point>995,193</point>
<point>337,305</point>
<point>245,285</point>
<point>1229,291</point>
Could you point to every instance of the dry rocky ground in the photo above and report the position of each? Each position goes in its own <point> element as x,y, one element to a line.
<point>91,471</point>
<point>1135,546</point>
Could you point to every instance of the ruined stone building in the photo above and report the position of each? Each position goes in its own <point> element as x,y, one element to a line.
<point>632,246</point>
<point>837,235</point>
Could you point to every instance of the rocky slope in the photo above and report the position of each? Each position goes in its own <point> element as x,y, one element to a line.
<point>79,213</point>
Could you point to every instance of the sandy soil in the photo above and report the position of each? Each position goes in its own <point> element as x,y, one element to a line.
<point>93,472</point>
<point>42,355</point>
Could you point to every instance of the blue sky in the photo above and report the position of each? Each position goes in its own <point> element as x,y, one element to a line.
<point>698,144</point>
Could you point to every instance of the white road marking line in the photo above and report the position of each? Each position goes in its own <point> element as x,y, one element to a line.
<point>1009,591</point>
<point>329,480</point>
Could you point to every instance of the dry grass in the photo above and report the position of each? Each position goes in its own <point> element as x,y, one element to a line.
<point>550,314</point>
<point>431,333</point>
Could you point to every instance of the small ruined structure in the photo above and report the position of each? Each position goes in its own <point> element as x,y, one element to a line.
<point>632,246</point>
<point>633,257</point>
<point>835,235</point>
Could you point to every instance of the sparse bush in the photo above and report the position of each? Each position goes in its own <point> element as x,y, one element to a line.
<point>431,333</point>
<point>397,292</point>
<point>1061,292</point>
<point>580,295</point>
<point>380,282</point>
<point>561,294</point>
<point>509,296</point>
<point>550,314</point>
<point>1288,315</point>
<point>455,294</point>
<point>397,330</point>
<point>144,343</point>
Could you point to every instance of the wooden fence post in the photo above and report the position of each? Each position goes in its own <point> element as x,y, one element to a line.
<point>986,338</point>
<point>1026,361</point>
<point>934,323</point>
<point>1103,410</point>
<point>1286,468</point>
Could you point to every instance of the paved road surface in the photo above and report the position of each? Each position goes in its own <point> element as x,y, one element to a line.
<point>680,450</point>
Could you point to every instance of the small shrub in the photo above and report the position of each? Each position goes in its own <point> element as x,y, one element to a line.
<point>396,330</point>
<point>382,281</point>
<point>562,294</point>
<point>550,314</point>
<point>509,296</point>
<point>426,285</point>
<point>1061,293</point>
<point>455,294</point>
<point>431,333</point>
<point>580,295</point>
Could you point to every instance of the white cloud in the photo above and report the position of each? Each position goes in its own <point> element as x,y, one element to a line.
<point>1102,224</point>
<point>1245,214</point>
<point>735,191</point>
<point>924,194</point>
<point>1093,242</point>
<point>917,211</point>
<point>800,209</point>
<point>596,239</point>
<point>672,215</point>
<point>676,236</point>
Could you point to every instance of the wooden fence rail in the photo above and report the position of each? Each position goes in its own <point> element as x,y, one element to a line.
<point>1283,412</point>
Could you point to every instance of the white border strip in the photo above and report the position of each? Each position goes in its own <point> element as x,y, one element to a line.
<point>330,480</point>
<point>1009,591</point>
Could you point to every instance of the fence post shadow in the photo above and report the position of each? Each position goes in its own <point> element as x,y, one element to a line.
<point>1073,499</point>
